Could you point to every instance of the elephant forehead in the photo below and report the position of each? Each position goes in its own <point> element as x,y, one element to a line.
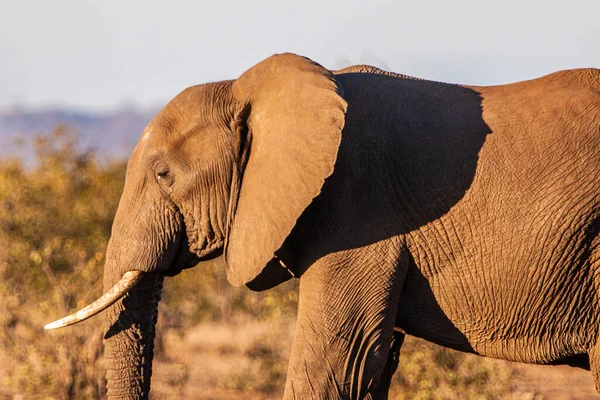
<point>150,143</point>
<point>151,138</point>
<point>145,135</point>
<point>161,131</point>
<point>154,137</point>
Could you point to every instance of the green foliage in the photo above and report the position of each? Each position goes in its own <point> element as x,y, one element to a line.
<point>55,222</point>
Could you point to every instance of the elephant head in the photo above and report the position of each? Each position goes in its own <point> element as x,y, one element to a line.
<point>225,168</point>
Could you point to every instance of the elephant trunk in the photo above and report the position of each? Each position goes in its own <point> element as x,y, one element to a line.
<point>129,339</point>
<point>145,237</point>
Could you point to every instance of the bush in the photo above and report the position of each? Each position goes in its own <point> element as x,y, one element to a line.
<point>55,221</point>
<point>431,372</point>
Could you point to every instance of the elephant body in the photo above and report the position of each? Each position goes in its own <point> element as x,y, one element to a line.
<point>482,224</point>
<point>464,215</point>
<point>503,230</point>
<point>515,262</point>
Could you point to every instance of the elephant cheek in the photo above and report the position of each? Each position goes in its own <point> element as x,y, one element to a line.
<point>129,340</point>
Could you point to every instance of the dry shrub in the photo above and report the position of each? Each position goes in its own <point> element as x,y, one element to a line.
<point>55,221</point>
<point>203,294</point>
<point>229,339</point>
<point>431,372</point>
<point>241,357</point>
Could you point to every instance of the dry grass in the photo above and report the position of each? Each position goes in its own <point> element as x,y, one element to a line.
<point>228,360</point>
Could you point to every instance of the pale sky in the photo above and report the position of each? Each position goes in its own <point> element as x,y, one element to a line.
<point>99,55</point>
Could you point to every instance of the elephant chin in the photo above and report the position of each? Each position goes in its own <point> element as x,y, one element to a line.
<point>129,339</point>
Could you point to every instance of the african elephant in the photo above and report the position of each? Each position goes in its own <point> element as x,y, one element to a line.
<point>465,215</point>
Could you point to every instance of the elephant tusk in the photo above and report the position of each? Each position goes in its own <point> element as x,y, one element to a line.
<point>127,282</point>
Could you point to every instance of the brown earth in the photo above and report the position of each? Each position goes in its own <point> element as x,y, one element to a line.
<point>217,362</point>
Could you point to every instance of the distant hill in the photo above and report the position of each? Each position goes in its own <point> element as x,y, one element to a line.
<point>111,135</point>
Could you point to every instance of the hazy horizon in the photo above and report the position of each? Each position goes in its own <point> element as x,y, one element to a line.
<point>103,56</point>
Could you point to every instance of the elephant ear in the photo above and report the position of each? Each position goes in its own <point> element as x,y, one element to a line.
<point>295,115</point>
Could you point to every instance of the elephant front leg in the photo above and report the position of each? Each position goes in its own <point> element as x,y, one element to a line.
<point>381,392</point>
<point>345,329</point>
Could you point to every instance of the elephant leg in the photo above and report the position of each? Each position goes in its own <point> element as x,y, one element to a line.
<point>345,330</point>
<point>594,352</point>
<point>594,355</point>
<point>382,390</point>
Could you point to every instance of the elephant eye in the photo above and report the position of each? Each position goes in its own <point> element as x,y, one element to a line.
<point>164,176</point>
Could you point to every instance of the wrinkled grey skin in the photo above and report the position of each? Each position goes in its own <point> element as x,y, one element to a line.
<point>468,216</point>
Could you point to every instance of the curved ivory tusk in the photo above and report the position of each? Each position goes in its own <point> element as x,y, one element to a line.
<point>127,282</point>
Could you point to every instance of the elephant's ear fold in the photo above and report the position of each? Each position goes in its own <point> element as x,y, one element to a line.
<point>295,120</point>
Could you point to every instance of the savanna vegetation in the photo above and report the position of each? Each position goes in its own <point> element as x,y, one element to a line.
<point>214,341</point>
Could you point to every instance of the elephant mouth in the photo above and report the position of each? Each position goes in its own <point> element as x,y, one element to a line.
<point>120,289</point>
<point>190,253</point>
<point>212,250</point>
<point>204,248</point>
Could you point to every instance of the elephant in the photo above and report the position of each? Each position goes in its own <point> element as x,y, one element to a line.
<point>465,215</point>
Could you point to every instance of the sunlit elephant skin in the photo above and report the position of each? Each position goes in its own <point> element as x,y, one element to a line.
<point>468,216</point>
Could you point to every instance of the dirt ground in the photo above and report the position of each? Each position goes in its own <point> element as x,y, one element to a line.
<point>214,362</point>
<point>553,382</point>
<point>533,383</point>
